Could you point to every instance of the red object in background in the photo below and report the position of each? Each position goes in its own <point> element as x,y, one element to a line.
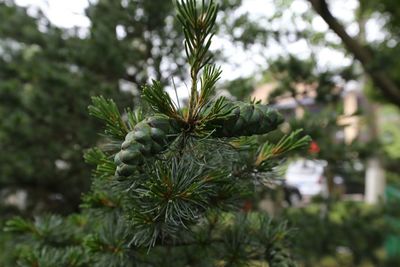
<point>314,148</point>
<point>247,206</point>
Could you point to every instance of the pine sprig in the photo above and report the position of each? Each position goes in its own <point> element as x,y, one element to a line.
<point>72,256</point>
<point>19,225</point>
<point>209,78</point>
<point>52,229</point>
<point>173,196</point>
<point>287,143</point>
<point>198,23</point>
<point>217,110</point>
<point>107,111</point>
<point>134,117</point>
<point>160,101</point>
<point>105,166</point>
<point>109,240</point>
<point>198,27</point>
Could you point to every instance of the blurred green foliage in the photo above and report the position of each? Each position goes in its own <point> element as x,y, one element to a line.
<point>344,233</point>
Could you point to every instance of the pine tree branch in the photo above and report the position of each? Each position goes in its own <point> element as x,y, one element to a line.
<point>160,101</point>
<point>107,111</point>
<point>287,143</point>
<point>198,27</point>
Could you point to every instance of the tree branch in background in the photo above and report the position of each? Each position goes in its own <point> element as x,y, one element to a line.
<point>381,79</point>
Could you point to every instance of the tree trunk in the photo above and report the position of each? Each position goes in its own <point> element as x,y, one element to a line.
<point>363,54</point>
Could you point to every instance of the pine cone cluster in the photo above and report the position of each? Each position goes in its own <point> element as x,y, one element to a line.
<point>154,134</point>
<point>149,137</point>
<point>247,119</point>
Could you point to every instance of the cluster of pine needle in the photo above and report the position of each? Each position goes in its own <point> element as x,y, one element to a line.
<point>169,183</point>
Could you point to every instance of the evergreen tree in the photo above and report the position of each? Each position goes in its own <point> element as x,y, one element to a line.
<point>169,183</point>
<point>48,75</point>
<point>42,97</point>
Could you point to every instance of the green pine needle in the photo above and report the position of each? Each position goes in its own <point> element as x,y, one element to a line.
<point>216,111</point>
<point>211,75</point>
<point>198,25</point>
<point>286,143</point>
<point>159,100</point>
<point>107,111</point>
<point>19,225</point>
<point>105,166</point>
<point>134,117</point>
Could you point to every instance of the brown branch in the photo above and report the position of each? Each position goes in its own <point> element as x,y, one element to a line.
<point>382,80</point>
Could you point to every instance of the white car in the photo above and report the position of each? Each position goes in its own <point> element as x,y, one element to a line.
<point>308,176</point>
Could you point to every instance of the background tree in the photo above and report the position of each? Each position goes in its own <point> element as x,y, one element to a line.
<point>371,56</point>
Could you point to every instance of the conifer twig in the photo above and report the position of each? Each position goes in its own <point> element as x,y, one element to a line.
<point>198,30</point>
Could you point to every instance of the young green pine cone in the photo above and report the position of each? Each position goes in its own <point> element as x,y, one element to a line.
<point>247,119</point>
<point>149,137</point>
<point>278,257</point>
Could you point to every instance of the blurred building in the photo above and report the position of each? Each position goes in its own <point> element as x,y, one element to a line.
<point>352,101</point>
<point>354,126</point>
